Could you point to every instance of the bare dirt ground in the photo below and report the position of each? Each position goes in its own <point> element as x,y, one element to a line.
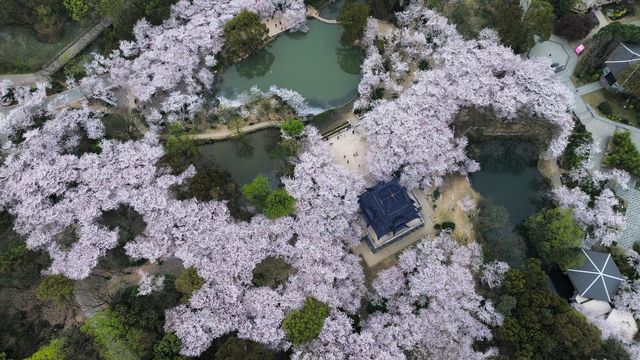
<point>454,190</point>
<point>550,170</point>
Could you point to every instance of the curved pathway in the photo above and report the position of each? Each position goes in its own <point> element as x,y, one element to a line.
<point>312,12</point>
<point>231,133</point>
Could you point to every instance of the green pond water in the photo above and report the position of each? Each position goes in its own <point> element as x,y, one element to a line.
<point>244,158</point>
<point>509,176</point>
<point>315,64</point>
<point>512,189</point>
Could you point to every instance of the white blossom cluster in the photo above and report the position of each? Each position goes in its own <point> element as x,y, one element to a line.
<point>173,58</point>
<point>29,105</point>
<point>149,283</point>
<point>421,317</point>
<point>413,133</point>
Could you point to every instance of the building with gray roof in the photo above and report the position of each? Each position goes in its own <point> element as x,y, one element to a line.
<point>599,278</point>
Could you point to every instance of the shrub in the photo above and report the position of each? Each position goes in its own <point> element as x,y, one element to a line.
<point>292,128</point>
<point>448,225</point>
<point>379,43</point>
<point>279,204</point>
<point>244,34</point>
<point>625,155</point>
<point>115,340</point>
<point>242,349</point>
<point>555,237</point>
<point>180,150</point>
<point>305,324</point>
<point>605,108</point>
<point>257,191</point>
<point>168,348</point>
<point>55,287</point>
<point>53,351</point>
<point>378,93</point>
<point>188,282</point>
<point>271,272</point>
<point>622,260</point>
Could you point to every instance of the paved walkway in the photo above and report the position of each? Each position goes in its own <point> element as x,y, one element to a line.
<point>58,100</point>
<point>231,133</point>
<point>601,128</point>
<point>275,26</point>
<point>631,232</point>
<point>589,88</point>
<point>74,48</point>
<point>24,79</point>
<point>312,12</point>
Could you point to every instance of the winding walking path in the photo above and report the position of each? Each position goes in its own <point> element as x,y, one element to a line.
<point>312,12</point>
<point>231,133</point>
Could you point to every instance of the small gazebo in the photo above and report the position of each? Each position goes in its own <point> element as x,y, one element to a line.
<point>599,277</point>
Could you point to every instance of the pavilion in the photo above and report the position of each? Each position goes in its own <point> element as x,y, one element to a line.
<point>599,277</point>
<point>388,213</point>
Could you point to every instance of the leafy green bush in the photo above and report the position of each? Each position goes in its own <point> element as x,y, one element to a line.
<point>188,282</point>
<point>293,128</point>
<point>625,155</point>
<point>555,237</point>
<point>378,93</point>
<point>353,17</point>
<point>55,287</point>
<point>168,348</point>
<point>115,340</point>
<point>180,150</point>
<point>279,204</point>
<point>605,108</point>
<point>305,324</point>
<point>257,191</point>
<point>448,225</point>
<point>271,272</point>
<point>243,349</point>
<point>53,351</point>
<point>571,159</point>
<point>244,34</point>
<point>622,260</point>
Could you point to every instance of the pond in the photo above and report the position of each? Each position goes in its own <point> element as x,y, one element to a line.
<point>509,176</point>
<point>315,64</point>
<point>512,189</point>
<point>245,157</point>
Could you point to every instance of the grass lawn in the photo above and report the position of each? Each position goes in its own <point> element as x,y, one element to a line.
<point>619,111</point>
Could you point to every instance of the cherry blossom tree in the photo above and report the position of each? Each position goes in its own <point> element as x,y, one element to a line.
<point>421,317</point>
<point>315,244</point>
<point>493,273</point>
<point>172,58</point>
<point>149,283</point>
<point>30,105</point>
<point>413,133</point>
<point>628,297</point>
<point>54,191</point>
